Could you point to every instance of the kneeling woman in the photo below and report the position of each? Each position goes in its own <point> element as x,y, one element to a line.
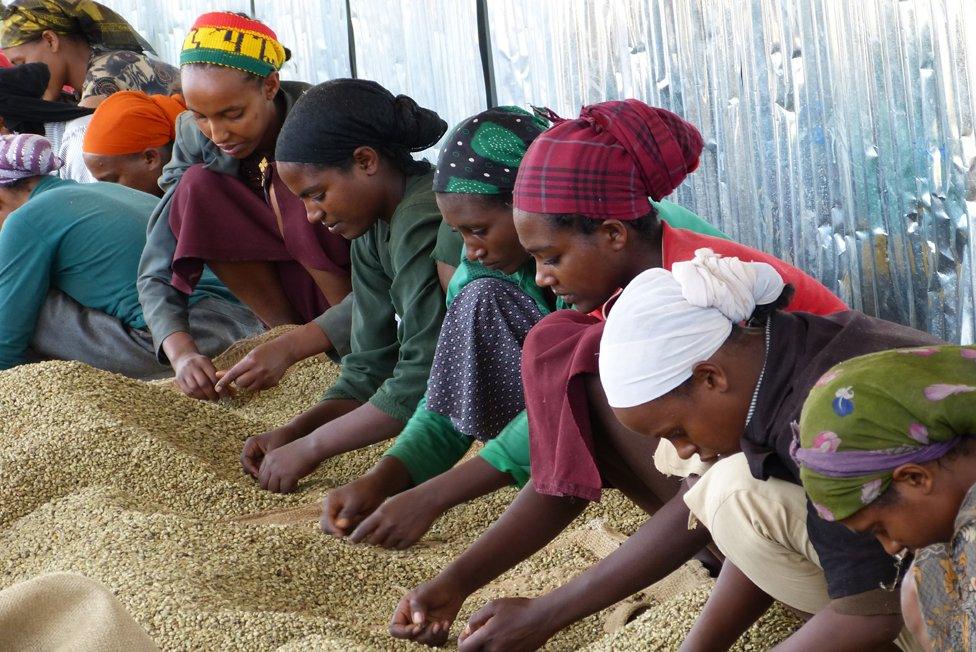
<point>225,205</point>
<point>734,394</point>
<point>887,445</point>
<point>68,259</point>
<point>345,151</point>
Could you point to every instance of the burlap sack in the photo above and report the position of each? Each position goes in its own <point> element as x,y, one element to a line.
<point>63,611</point>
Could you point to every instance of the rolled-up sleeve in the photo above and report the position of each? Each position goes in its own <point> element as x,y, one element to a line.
<point>509,451</point>
<point>428,445</point>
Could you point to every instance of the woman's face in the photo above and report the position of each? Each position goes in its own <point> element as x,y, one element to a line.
<point>230,107</point>
<point>346,202</point>
<point>584,269</point>
<point>706,417</point>
<point>46,50</point>
<point>140,171</point>
<point>487,230</point>
<point>918,509</point>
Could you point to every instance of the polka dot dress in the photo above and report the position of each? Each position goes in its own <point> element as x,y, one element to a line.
<point>476,375</point>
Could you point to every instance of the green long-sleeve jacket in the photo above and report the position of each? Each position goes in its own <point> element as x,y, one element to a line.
<point>430,444</point>
<point>398,305</point>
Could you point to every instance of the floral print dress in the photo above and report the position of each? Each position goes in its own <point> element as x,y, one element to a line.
<point>945,575</point>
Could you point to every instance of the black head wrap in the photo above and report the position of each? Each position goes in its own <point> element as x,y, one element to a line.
<point>331,120</point>
<point>21,106</point>
<point>483,153</point>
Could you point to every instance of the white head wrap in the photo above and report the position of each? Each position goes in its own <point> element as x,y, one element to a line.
<point>664,323</point>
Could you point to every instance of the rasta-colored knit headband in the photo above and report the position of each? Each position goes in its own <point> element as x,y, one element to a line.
<point>226,39</point>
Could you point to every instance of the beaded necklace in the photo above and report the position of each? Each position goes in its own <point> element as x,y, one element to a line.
<point>762,374</point>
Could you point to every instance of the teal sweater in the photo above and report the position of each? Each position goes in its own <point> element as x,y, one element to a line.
<point>430,445</point>
<point>84,240</point>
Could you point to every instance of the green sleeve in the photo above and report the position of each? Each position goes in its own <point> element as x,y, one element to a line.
<point>397,314</point>
<point>374,330</point>
<point>509,451</point>
<point>680,217</point>
<point>449,246</point>
<point>336,323</point>
<point>429,444</point>
<point>419,301</point>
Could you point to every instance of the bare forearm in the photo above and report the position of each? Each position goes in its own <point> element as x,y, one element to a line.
<point>845,633</point>
<point>659,547</point>
<point>335,287</point>
<point>391,475</point>
<point>356,429</point>
<point>464,482</point>
<point>303,342</point>
<point>178,345</point>
<point>322,413</point>
<point>529,523</point>
<point>735,603</point>
<point>444,274</point>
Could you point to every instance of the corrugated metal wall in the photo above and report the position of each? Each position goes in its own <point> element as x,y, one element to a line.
<point>840,133</point>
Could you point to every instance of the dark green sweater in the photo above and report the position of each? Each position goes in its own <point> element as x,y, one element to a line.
<point>399,305</point>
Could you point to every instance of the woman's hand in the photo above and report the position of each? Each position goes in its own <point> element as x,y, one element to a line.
<point>264,366</point>
<point>283,467</point>
<point>346,506</point>
<point>425,614</point>
<point>257,448</point>
<point>195,373</point>
<point>507,624</point>
<point>196,377</point>
<point>260,369</point>
<point>400,521</point>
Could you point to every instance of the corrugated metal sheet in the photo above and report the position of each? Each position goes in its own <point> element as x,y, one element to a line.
<point>317,34</point>
<point>840,135</point>
<point>164,23</point>
<point>427,49</point>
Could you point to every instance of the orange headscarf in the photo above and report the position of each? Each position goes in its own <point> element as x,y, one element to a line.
<point>130,121</point>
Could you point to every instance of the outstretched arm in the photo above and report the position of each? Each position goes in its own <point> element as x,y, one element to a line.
<point>659,547</point>
<point>734,604</point>
<point>529,523</point>
<point>283,467</point>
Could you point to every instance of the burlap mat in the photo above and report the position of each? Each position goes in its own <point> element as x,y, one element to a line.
<point>286,516</point>
<point>602,541</point>
<point>239,349</point>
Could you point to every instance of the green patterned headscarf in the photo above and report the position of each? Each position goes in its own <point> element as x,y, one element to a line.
<point>869,415</point>
<point>25,20</point>
<point>482,154</point>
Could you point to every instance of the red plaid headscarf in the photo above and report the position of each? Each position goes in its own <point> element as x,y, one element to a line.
<point>606,163</point>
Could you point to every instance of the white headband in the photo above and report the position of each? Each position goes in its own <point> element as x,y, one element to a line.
<point>666,322</point>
